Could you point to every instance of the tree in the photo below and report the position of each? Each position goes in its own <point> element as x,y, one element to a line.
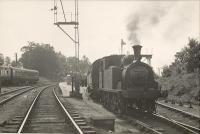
<point>1,59</point>
<point>14,64</point>
<point>50,64</point>
<point>73,65</point>
<point>189,56</point>
<point>41,57</point>
<point>166,71</point>
<point>182,56</point>
<point>193,61</point>
<point>62,62</point>
<point>7,61</point>
<point>84,64</point>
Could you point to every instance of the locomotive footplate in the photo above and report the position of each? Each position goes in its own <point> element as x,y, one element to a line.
<point>145,94</point>
<point>110,90</point>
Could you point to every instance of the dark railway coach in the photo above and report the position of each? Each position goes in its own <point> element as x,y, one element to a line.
<point>17,76</point>
<point>119,82</point>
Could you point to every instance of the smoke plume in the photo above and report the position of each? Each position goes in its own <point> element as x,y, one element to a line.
<point>147,17</point>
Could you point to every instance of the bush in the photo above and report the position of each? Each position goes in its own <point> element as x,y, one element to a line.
<point>166,72</point>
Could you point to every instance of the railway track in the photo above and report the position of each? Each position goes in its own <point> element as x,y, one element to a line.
<point>193,116</point>
<point>181,117</point>
<point>44,115</point>
<point>8,92</point>
<point>48,115</point>
<point>8,96</point>
<point>157,124</point>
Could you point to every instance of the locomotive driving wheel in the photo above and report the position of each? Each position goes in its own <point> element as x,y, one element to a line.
<point>151,108</point>
<point>113,103</point>
<point>120,105</point>
<point>146,106</point>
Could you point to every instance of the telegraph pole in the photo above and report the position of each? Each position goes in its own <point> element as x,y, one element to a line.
<point>74,23</point>
<point>16,59</point>
<point>74,39</point>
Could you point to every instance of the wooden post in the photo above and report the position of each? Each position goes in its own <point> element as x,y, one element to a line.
<point>0,85</point>
<point>72,84</point>
<point>198,81</point>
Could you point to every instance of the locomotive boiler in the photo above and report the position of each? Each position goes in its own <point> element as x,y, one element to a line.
<point>119,82</point>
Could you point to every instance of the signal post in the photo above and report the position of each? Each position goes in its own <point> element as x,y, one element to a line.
<point>75,75</point>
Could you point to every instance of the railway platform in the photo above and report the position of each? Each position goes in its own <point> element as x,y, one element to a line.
<point>95,114</point>
<point>65,88</point>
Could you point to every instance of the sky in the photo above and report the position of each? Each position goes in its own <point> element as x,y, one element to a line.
<point>161,27</point>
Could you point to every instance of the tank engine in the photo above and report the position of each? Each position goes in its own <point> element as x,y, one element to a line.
<point>119,82</point>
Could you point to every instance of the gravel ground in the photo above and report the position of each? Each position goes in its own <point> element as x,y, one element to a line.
<point>87,109</point>
<point>17,106</point>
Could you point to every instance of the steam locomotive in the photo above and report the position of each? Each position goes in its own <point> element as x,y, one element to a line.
<point>17,76</point>
<point>119,82</point>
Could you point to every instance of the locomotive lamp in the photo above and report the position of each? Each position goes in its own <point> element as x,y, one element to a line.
<point>137,52</point>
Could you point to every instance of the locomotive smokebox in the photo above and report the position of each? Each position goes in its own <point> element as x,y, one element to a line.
<point>137,52</point>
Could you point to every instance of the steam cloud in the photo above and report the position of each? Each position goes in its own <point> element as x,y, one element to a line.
<point>141,20</point>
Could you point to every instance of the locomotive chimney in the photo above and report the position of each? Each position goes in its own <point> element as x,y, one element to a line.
<point>137,52</point>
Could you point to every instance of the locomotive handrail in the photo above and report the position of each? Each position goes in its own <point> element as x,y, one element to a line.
<point>67,113</point>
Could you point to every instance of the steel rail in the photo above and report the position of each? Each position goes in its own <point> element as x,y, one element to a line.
<point>164,120</point>
<point>151,130</point>
<point>4,93</point>
<point>178,110</point>
<point>10,98</point>
<point>29,111</point>
<point>67,113</point>
<point>188,126</point>
<point>145,127</point>
<point>172,122</point>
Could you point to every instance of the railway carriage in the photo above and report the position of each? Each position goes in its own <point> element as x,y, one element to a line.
<point>17,76</point>
<point>5,74</point>
<point>119,82</point>
<point>26,76</point>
